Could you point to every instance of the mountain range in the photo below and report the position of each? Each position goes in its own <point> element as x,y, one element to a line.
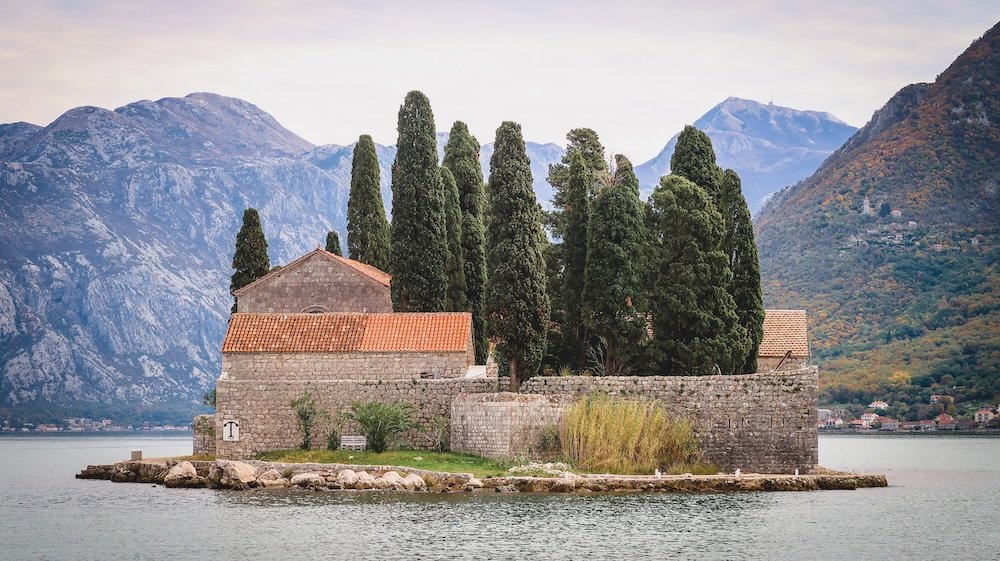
<point>117,231</point>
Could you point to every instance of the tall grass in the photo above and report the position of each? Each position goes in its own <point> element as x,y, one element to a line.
<point>604,434</point>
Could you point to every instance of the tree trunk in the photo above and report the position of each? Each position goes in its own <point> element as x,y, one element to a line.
<point>610,369</point>
<point>515,384</point>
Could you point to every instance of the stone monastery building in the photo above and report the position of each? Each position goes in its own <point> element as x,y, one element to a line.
<point>324,324</point>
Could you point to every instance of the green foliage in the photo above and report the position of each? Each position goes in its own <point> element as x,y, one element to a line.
<point>333,243</point>
<point>603,434</point>
<point>575,203</point>
<point>456,297</point>
<point>250,261</point>
<point>695,326</point>
<point>448,462</point>
<point>694,160</point>
<point>516,302</point>
<point>739,245</point>
<point>582,141</point>
<point>209,398</point>
<point>461,157</point>
<point>614,294</point>
<point>419,243</point>
<point>884,210</point>
<point>436,434</point>
<point>367,227</point>
<point>381,423</point>
<point>305,415</point>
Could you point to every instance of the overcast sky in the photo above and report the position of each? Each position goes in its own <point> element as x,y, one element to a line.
<point>330,70</point>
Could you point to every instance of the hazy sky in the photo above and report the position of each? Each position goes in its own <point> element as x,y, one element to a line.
<point>330,70</point>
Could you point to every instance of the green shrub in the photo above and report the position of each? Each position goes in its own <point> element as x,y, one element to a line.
<point>381,422</point>
<point>305,413</point>
<point>604,434</point>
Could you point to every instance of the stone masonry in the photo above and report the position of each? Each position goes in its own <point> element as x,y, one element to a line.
<point>347,366</point>
<point>505,425</point>
<point>204,435</point>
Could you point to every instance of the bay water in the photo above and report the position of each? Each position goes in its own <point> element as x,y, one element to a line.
<point>941,504</point>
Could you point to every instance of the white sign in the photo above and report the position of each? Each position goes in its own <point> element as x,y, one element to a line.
<point>230,430</point>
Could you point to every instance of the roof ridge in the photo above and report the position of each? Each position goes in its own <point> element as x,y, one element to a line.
<point>373,273</point>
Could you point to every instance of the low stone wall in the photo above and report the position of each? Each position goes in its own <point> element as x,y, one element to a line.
<point>763,423</point>
<point>346,366</point>
<point>267,421</point>
<point>503,425</point>
<point>204,435</point>
<point>767,364</point>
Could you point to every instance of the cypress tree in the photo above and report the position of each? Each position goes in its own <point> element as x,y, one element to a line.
<point>695,326</point>
<point>614,289</point>
<point>333,243</point>
<point>516,303</point>
<point>250,260</point>
<point>461,157</point>
<point>585,142</point>
<point>576,214</point>
<point>739,245</point>
<point>418,235</point>
<point>694,160</point>
<point>367,227</point>
<point>456,299</point>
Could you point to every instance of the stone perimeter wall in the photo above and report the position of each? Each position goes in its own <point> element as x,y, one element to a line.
<point>267,421</point>
<point>345,366</point>
<point>764,423</point>
<point>504,425</point>
<point>204,435</point>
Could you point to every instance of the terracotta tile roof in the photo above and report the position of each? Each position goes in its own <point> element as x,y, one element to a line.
<point>784,330</point>
<point>373,273</point>
<point>343,332</point>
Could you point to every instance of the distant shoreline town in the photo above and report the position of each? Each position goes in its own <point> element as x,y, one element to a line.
<point>876,418</point>
<point>83,424</point>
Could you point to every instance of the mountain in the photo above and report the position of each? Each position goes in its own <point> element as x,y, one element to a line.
<point>769,146</point>
<point>893,246</point>
<point>117,231</point>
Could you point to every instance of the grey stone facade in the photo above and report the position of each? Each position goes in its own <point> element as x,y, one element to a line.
<point>504,425</point>
<point>767,364</point>
<point>346,366</point>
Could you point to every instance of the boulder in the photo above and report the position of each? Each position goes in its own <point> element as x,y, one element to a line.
<point>310,480</point>
<point>238,475</point>
<point>365,481</point>
<point>563,485</point>
<point>389,480</point>
<point>474,483</point>
<point>182,474</point>
<point>347,478</point>
<point>271,479</point>
<point>414,482</point>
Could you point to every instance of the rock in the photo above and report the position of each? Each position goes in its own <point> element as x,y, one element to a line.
<point>347,478</point>
<point>474,483</point>
<point>563,485</point>
<point>414,482</point>
<point>389,480</point>
<point>505,489</point>
<point>215,472</point>
<point>238,475</point>
<point>365,481</point>
<point>311,480</point>
<point>182,474</point>
<point>272,479</point>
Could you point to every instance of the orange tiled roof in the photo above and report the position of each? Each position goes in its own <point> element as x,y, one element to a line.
<point>784,330</point>
<point>373,273</point>
<point>345,332</point>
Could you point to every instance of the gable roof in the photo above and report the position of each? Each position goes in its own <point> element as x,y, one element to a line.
<point>367,270</point>
<point>348,332</point>
<point>784,330</point>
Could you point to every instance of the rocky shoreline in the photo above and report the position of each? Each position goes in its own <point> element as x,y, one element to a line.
<point>223,474</point>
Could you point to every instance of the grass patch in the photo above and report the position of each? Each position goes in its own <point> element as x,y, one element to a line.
<point>435,461</point>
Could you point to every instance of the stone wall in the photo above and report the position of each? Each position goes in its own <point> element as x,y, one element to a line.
<point>204,435</point>
<point>345,366</point>
<point>307,285</point>
<point>504,425</point>
<point>762,423</point>
<point>767,364</point>
<point>267,421</point>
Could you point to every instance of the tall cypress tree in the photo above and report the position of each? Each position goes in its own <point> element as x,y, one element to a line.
<point>456,299</point>
<point>576,215</point>
<point>614,289</point>
<point>418,235</point>
<point>250,261</point>
<point>461,157</point>
<point>585,142</point>
<point>367,227</point>
<point>741,249</point>
<point>333,243</point>
<point>695,326</point>
<point>694,160</point>
<point>516,303</point>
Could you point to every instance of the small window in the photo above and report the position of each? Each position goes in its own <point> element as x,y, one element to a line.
<point>314,309</point>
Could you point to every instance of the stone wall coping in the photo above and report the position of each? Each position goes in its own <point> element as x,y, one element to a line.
<point>511,397</point>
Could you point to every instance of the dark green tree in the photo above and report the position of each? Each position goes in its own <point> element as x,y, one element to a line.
<point>418,235</point>
<point>456,298</point>
<point>695,326</point>
<point>250,261</point>
<point>516,303</point>
<point>575,211</point>
<point>585,142</point>
<point>740,247</point>
<point>367,227</point>
<point>885,209</point>
<point>333,243</point>
<point>614,306</point>
<point>461,156</point>
<point>694,160</point>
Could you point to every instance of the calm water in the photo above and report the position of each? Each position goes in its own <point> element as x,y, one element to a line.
<point>942,504</point>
